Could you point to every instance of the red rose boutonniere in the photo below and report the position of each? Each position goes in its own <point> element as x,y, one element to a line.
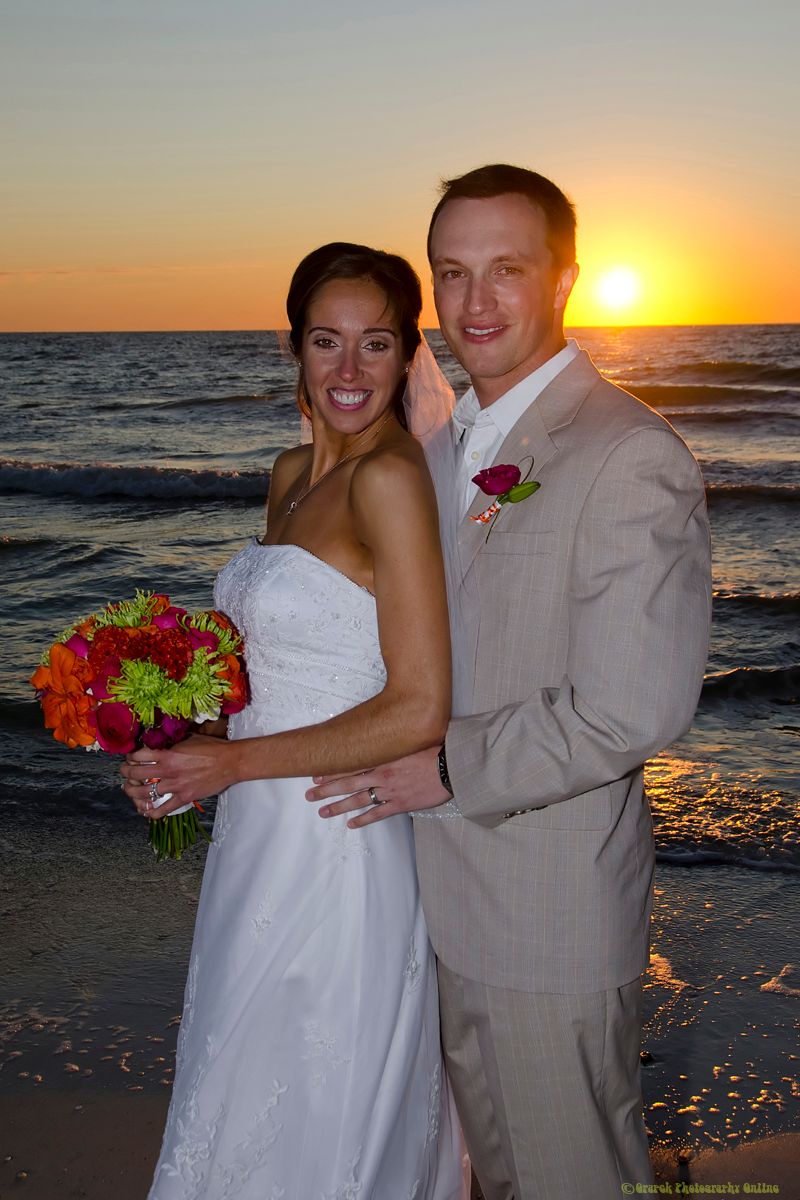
<point>506,484</point>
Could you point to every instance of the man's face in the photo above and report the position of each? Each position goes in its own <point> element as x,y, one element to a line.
<point>499,297</point>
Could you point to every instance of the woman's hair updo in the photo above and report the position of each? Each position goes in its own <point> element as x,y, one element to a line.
<point>396,278</point>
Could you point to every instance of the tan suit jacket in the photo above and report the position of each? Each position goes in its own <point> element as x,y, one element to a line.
<point>594,600</point>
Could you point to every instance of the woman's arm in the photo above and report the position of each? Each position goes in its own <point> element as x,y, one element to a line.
<point>394,515</point>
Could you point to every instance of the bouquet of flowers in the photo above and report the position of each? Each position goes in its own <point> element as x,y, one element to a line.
<point>139,673</point>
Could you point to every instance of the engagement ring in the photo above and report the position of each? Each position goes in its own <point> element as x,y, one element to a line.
<point>154,794</point>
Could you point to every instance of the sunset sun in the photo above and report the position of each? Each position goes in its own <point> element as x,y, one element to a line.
<point>618,290</point>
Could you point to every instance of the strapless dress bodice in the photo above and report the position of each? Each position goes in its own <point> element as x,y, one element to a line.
<point>310,633</point>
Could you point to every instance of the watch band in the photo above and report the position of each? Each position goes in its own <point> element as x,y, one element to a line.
<point>444,775</point>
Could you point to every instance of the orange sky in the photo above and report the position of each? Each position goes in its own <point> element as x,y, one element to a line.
<point>169,167</point>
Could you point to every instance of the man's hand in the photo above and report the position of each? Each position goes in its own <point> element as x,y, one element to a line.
<point>407,785</point>
<point>192,770</point>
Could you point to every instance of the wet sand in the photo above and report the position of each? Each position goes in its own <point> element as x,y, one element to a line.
<point>105,1147</point>
<point>97,939</point>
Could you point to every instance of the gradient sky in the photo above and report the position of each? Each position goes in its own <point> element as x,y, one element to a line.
<point>166,163</point>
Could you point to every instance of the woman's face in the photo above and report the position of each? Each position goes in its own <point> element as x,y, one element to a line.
<point>352,355</point>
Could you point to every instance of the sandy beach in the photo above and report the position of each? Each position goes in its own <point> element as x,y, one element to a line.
<point>106,1145</point>
<point>93,991</point>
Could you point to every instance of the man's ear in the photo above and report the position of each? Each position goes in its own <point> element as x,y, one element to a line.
<point>566,282</point>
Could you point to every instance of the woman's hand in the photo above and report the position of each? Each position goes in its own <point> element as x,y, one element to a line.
<point>193,770</point>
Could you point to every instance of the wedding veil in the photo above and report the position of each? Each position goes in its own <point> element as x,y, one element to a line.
<point>429,403</point>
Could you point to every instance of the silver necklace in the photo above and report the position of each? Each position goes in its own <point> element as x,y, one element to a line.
<point>370,433</point>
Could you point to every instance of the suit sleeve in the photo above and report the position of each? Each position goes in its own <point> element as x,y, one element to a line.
<point>639,614</point>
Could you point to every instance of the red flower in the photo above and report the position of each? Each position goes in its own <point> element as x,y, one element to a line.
<point>116,727</point>
<point>111,639</point>
<point>169,649</point>
<point>496,481</point>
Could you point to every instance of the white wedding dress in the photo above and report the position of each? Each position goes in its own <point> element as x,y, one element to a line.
<point>309,1064</point>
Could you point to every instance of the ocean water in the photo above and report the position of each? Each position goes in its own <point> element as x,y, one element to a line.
<point>142,460</point>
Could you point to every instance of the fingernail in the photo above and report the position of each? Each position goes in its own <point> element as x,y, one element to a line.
<point>324,812</point>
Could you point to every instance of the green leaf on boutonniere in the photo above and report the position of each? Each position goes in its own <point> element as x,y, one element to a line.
<point>521,491</point>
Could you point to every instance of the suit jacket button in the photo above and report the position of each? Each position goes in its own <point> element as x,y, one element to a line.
<point>518,812</point>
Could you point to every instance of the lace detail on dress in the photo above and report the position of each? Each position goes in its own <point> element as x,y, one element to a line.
<point>434,1105</point>
<point>191,1137</point>
<point>351,1188</point>
<point>251,1151</point>
<point>187,1016</point>
<point>412,972</point>
<point>263,918</point>
<point>351,843</point>
<point>320,1053</point>
<point>222,821</point>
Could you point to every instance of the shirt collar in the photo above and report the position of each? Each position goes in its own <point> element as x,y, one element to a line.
<point>508,408</point>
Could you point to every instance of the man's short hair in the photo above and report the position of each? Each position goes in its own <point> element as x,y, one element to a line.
<point>500,179</point>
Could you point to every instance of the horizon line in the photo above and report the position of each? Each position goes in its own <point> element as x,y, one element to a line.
<point>424,328</point>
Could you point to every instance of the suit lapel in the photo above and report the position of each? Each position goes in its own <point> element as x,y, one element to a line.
<point>554,408</point>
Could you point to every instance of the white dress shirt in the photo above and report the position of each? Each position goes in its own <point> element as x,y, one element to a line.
<point>482,431</point>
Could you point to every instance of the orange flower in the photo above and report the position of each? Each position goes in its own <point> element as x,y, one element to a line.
<point>220,619</point>
<point>64,700</point>
<point>231,668</point>
<point>236,680</point>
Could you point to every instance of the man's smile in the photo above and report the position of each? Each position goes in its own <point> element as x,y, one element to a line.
<point>482,333</point>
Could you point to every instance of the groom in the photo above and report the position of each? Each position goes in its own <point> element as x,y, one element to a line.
<point>585,653</point>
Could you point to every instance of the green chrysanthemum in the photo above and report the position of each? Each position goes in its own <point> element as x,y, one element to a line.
<point>146,687</point>
<point>201,689</point>
<point>133,613</point>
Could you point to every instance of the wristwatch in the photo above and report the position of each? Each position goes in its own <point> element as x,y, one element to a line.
<point>444,775</point>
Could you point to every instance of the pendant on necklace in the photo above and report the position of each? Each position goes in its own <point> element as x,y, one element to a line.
<point>291,508</point>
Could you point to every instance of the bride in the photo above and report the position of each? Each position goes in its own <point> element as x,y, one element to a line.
<point>308,1058</point>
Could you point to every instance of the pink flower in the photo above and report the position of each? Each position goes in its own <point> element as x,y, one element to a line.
<point>116,727</point>
<point>167,732</point>
<point>170,619</point>
<point>495,481</point>
<point>78,645</point>
<point>202,637</point>
<point>110,668</point>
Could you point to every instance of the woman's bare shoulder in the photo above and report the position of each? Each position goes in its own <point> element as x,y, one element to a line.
<point>288,466</point>
<point>392,477</point>
<point>400,462</point>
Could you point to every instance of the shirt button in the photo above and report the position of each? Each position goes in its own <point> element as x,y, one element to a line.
<point>474,455</point>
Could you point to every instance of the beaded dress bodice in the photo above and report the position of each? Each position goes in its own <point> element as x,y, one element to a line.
<point>310,632</point>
